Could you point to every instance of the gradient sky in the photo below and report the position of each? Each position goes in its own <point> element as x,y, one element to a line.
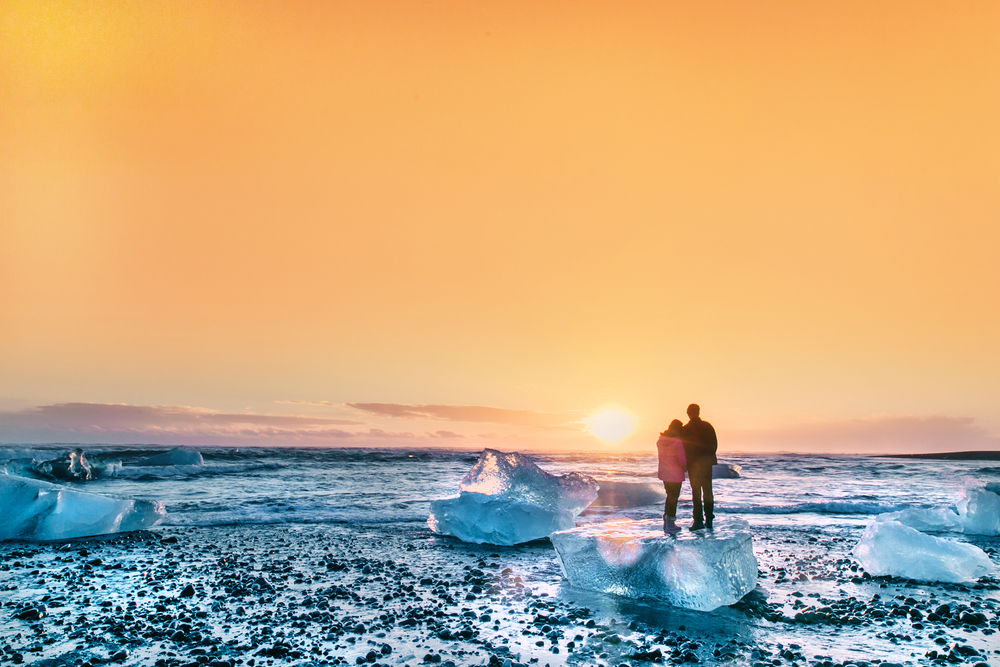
<point>275,213</point>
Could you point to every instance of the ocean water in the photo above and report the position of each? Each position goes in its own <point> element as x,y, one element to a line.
<point>806,513</point>
<point>269,485</point>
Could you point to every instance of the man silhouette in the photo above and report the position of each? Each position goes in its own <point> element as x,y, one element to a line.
<point>700,445</point>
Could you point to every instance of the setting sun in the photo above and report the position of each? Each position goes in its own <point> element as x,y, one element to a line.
<point>611,425</point>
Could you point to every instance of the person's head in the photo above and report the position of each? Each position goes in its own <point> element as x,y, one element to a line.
<point>694,411</point>
<point>674,430</point>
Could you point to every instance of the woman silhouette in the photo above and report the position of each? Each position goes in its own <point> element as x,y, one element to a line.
<point>671,471</point>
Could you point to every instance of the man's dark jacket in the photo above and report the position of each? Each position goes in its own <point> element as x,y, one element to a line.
<point>700,443</point>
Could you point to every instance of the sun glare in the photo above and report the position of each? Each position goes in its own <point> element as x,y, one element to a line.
<point>611,425</point>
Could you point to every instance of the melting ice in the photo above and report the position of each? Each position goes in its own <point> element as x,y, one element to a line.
<point>506,499</point>
<point>890,548</point>
<point>701,570</point>
<point>37,510</point>
<point>977,513</point>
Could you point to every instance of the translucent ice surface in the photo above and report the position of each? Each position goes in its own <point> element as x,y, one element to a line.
<point>977,513</point>
<point>698,570</point>
<point>980,512</point>
<point>474,517</point>
<point>936,520</point>
<point>516,476</point>
<point>890,548</point>
<point>506,499</point>
<point>179,456</point>
<point>37,510</point>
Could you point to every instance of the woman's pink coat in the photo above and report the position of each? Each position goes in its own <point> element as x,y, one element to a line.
<point>672,461</point>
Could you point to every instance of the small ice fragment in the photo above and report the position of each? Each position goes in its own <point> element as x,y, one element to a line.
<point>37,510</point>
<point>178,456</point>
<point>890,548</point>
<point>506,499</point>
<point>700,570</point>
<point>109,468</point>
<point>726,471</point>
<point>980,512</point>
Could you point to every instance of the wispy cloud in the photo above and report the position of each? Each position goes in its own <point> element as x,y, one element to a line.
<point>876,435</point>
<point>117,423</point>
<point>328,404</point>
<point>469,413</point>
<point>114,422</point>
<point>445,435</point>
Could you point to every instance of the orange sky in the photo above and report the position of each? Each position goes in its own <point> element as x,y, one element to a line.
<point>788,212</point>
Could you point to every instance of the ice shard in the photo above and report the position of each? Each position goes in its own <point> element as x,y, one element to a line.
<point>699,570</point>
<point>506,499</point>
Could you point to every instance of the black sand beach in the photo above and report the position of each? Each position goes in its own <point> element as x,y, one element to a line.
<point>394,595</point>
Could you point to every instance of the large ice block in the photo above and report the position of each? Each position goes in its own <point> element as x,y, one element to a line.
<point>37,510</point>
<point>890,548</point>
<point>506,499</point>
<point>699,570</point>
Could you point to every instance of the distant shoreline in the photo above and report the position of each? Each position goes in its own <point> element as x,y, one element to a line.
<point>953,456</point>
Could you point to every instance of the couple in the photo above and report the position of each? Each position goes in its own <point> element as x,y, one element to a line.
<point>689,447</point>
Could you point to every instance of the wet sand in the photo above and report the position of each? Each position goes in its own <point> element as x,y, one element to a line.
<point>395,594</point>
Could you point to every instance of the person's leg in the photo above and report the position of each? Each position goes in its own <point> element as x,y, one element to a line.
<point>709,501</point>
<point>673,490</point>
<point>701,486</point>
<point>699,521</point>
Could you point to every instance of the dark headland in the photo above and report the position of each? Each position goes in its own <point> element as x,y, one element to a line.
<point>952,456</point>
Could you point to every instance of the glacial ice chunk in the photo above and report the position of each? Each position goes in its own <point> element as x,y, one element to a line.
<point>980,512</point>
<point>726,471</point>
<point>890,548</point>
<point>700,570</point>
<point>482,519</point>
<point>506,499</point>
<point>935,520</point>
<point>977,513</point>
<point>516,476</point>
<point>70,467</point>
<point>37,510</point>
<point>178,456</point>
